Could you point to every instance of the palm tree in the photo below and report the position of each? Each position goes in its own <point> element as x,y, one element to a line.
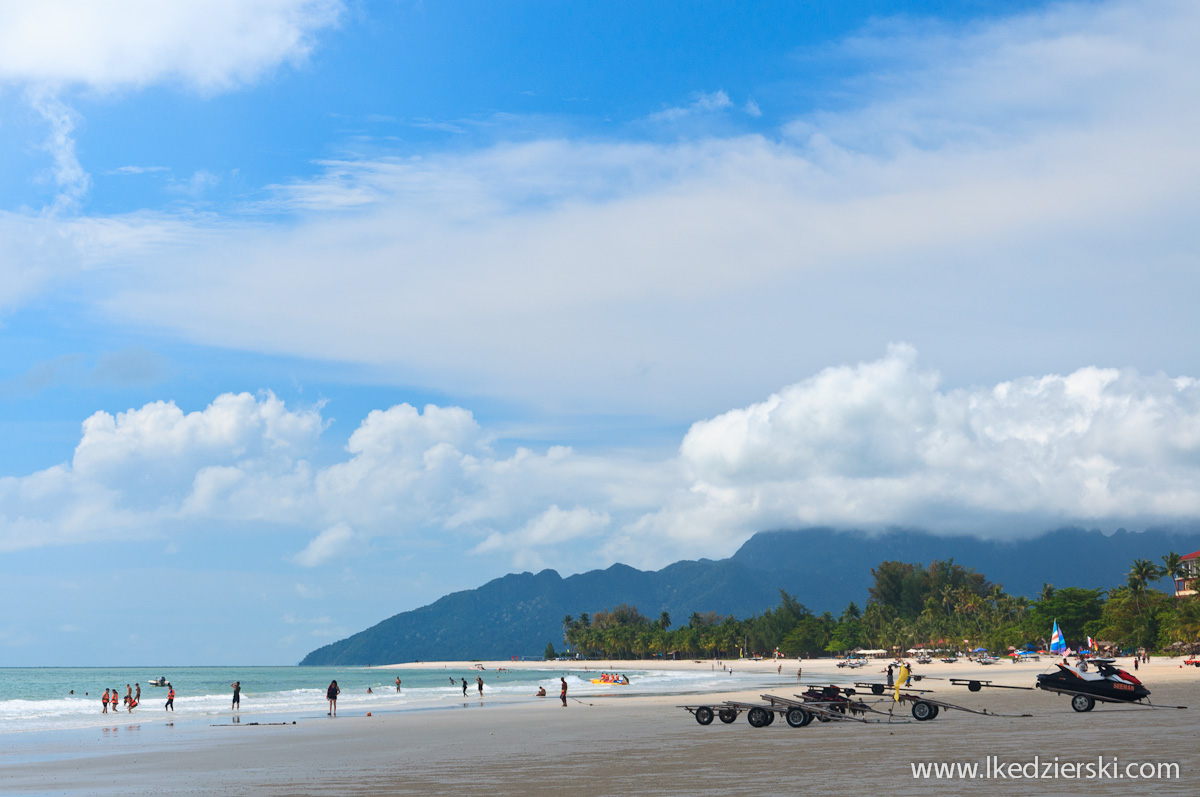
<point>1047,592</point>
<point>1145,571</point>
<point>1173,568</point>
<point>664,620</point>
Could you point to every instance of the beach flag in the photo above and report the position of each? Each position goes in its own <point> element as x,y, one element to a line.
<point>1057,643</point>
<point>1091,644</point>
<point>901,680</point>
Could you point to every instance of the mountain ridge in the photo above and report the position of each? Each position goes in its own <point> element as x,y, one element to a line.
<point>825,568</point>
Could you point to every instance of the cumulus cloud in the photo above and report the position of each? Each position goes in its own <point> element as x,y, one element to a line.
<point>205,44</point>
<point>871,445</point>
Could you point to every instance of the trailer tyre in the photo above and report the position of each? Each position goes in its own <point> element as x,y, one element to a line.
<point>727,715</point>
<point>704,715</point>
<point>936,710</point>
<point>770,717</point>
<point>1083,702</point>
<point>922,711</point>
<point>974,686</point>
<point>797,717</point>
<point>757,717</point>
<point>877,689</point>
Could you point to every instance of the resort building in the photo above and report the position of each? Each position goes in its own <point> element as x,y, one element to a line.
<point>1189,575</point>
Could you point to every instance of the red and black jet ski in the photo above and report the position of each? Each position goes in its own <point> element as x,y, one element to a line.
<point>1101,681</point>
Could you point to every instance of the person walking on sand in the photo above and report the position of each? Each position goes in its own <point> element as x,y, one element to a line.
<point>104,700</point>
<point>563,693</point>
<point>237,696</point>
<point>464,680</point>
<point>170,698</point>
<point>331,695</point>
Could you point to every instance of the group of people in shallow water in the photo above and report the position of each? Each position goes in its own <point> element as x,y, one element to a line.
<point>132,698</point>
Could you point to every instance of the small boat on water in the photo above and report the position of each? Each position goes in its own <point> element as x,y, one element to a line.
<point>160,681</point>
<point>616,680</point>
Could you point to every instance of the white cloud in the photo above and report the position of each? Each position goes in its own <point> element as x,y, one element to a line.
<point>333,542</point>
<point>73,182</point>
<point>535,543</point>
<point>1018,199</point>
<point>701,103</point>
<point>122,170</point>
<point>870,445</point>
<point>206,44</point>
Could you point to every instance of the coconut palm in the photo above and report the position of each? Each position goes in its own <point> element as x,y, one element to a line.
<point>1145,571</point>
<point>1172,566</point>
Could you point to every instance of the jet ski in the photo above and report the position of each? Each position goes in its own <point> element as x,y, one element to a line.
<point>1102,681</point>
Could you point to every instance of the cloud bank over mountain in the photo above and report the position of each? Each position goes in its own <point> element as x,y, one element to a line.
<point>871,445</point>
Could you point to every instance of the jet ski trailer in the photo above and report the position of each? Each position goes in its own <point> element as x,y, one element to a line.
<point>1107,684</point>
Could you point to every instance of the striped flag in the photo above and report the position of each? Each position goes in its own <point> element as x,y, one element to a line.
<point>1057,643</point>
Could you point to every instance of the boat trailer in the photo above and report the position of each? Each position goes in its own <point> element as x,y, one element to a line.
<point>974,684</point>
<point>1083,701</point>
<point>926,708</point>
<point>879,689</point>
<point>797,711</point>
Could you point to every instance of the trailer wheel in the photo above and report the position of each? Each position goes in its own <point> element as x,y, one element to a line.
<point>770,717</point>
<point>1083,702</point>
<point>757,717</point>
<point>877,689</point>
<point>727,715</point>
<point>974,686</point>
<point>797,717</point>
<point>922,711</point>
<point>936,710</point>
<point>704,715</point>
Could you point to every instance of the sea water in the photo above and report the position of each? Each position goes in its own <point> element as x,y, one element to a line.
<point>41,699</point>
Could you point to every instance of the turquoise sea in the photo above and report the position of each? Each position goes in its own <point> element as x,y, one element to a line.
<point>41,699</point>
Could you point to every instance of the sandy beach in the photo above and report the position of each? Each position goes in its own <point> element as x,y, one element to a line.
<point>613,745</point>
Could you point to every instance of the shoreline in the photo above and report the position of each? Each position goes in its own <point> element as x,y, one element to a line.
<point>641,743</point>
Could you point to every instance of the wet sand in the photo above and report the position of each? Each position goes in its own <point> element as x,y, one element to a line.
<point>644,745</point>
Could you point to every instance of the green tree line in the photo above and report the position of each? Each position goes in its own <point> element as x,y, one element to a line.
<point>944,606</point>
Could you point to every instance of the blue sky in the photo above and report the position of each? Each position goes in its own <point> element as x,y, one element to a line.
<point>312,311</point>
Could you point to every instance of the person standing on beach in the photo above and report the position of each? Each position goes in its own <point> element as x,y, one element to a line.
<point>479,682</point>
<point>563,693</point>
<point>128,694</point>
<point>137,698</point>
<point>170,698</point>
<point>104,700</point>
<point>464,687</point>
<point>397,683</point>
<point>331,695</point>
<point>237,696</point>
